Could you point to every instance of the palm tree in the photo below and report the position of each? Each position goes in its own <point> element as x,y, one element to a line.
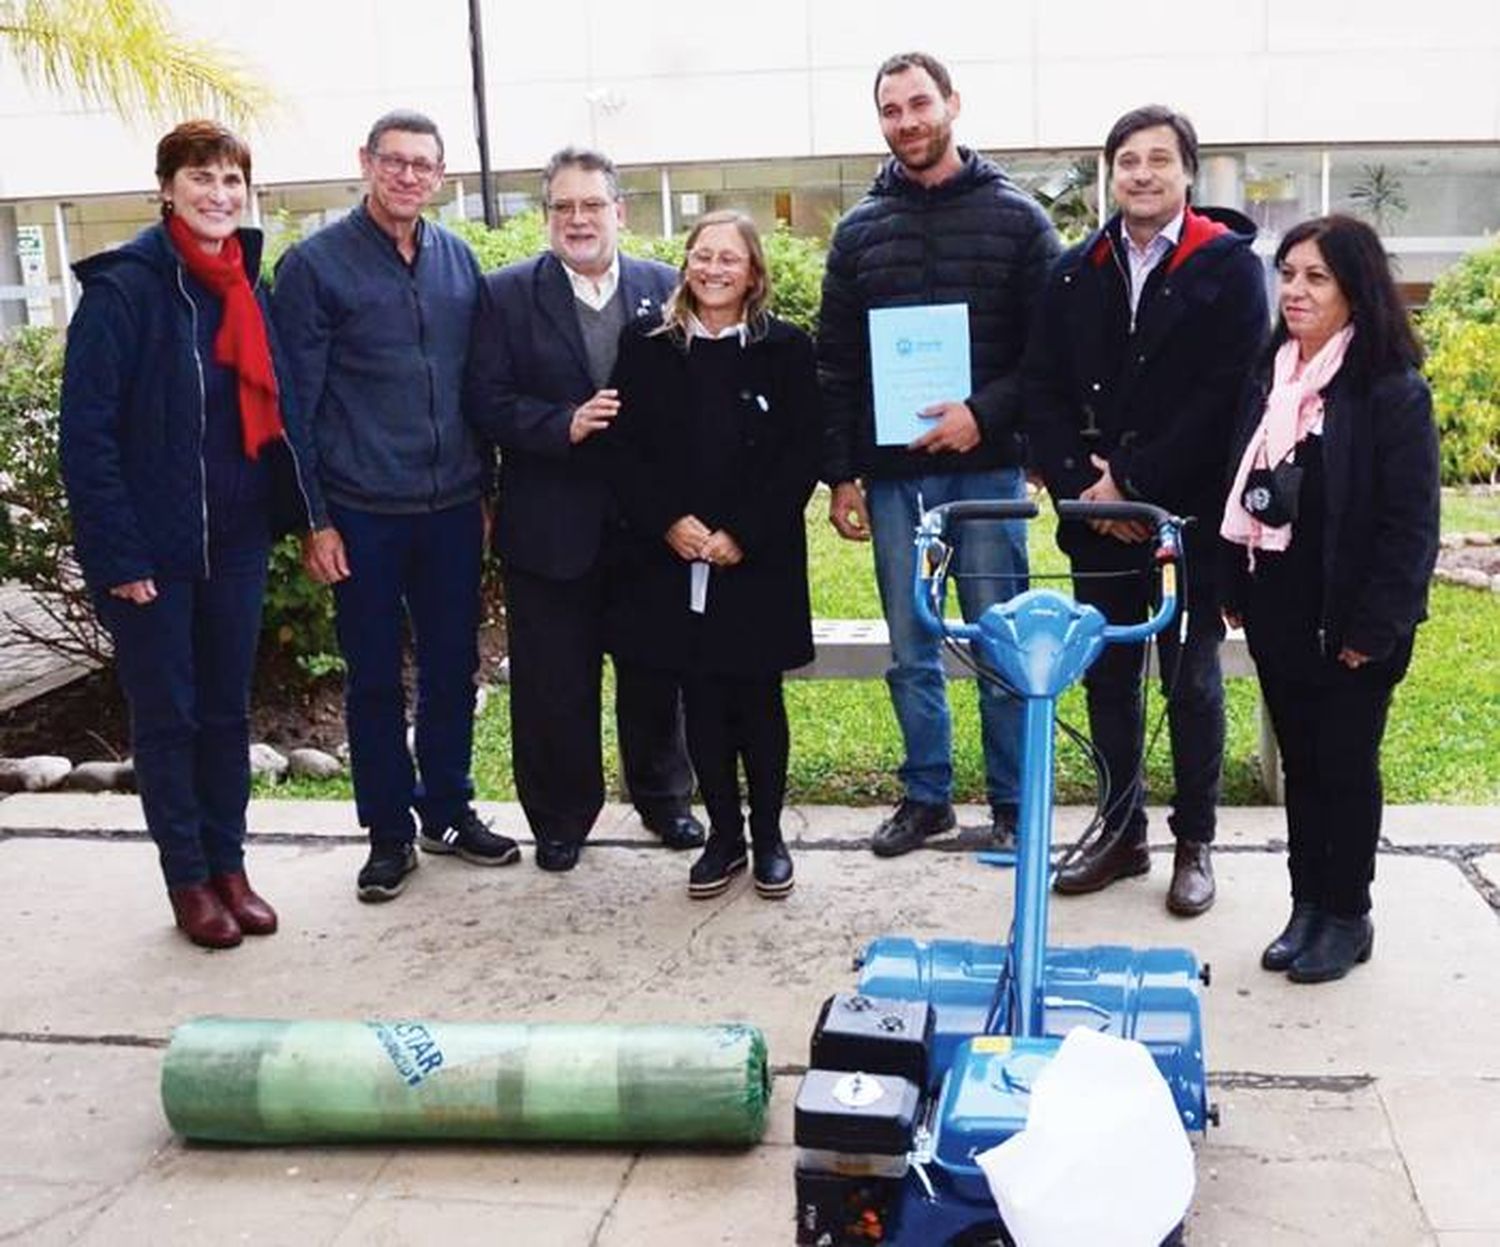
<point>126,55</point>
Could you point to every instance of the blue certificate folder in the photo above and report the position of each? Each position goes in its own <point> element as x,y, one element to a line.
<point>918,356</point>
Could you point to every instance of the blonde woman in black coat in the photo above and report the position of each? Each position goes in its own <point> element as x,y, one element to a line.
<point>713,456</point>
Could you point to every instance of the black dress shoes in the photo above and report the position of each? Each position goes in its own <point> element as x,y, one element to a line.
<point>773,869</point>
<point>1339,945</point>
<point>557,855</point>
<point>678,829</point>
<point>1297,935</point>
<point>1192,890</point>
<point>1113,857</point>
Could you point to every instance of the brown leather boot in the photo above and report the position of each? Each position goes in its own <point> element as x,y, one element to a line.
<point>203,916</point>
<point>252,912</point>
<point>1119,856</point>
<point>1192,890</point>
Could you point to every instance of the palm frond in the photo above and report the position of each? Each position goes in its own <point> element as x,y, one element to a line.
<point>126,55</point>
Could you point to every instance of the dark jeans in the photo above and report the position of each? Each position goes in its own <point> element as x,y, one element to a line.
<point>424,567</point>
<point>185,662</point>
<point>1329,723</point>
<point>556,633</point>
<point>730,719</point>
<point>1191,682</point>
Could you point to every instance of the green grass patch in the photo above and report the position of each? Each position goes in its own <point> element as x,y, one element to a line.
<point>1441,745</point>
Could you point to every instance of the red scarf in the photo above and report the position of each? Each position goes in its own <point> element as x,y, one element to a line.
<point>241,343</point>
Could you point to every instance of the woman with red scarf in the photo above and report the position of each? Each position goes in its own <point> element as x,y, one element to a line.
<point>178,448</point>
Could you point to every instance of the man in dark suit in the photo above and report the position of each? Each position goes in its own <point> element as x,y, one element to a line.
<point>543,348</point>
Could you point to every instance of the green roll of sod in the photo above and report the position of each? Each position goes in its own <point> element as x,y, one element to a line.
<point>242,1081</point>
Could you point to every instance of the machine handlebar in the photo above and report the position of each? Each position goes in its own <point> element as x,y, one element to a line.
<point>1077,509</point>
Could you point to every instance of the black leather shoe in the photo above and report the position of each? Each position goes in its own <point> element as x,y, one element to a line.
<point>1339,945</point>
<point>723,857</point>
<point>773,869</point>
<point>912,823</point>
<point>678,830</point>
<point>1192,890</point>
<point>1115,857</point>
<point>557,855</point>
<point>1295,936</point>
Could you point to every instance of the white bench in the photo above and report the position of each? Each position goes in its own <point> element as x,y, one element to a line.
<point>860,649</point>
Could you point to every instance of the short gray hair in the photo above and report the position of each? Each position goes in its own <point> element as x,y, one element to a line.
<point>407,121</point>
<point>584,158</point>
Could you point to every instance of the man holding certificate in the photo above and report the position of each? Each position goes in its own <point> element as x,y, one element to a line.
<point>1146,334</point>
<point>927,297</point>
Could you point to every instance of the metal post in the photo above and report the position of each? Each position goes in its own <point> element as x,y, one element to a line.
<point>481,112</point>
<point>64,261</point>
<point>1033,858</point>
<point>1326,189</point>
<point>666,202</point>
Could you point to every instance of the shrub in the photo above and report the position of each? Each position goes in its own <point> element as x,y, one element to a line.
<point>36,531</point>
<point>1461,330</point>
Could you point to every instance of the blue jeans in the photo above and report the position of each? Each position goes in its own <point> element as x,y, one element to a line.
<point>990,565</point>
<point>185,663</point>
<point>424,566</point>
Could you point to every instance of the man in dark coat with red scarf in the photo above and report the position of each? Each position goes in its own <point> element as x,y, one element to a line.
<point>1145,335</point>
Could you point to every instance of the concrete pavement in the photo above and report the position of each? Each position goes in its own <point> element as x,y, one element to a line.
<point>1363,1112</point>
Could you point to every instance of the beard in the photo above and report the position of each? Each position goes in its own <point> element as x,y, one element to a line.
<point>936,143</point>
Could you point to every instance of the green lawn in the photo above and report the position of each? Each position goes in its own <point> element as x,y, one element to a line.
<point>1442,743</point>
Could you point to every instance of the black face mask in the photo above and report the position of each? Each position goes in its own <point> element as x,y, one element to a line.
<point>1270,494</point>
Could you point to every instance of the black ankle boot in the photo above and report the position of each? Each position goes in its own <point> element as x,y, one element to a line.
<point>773,867</point>
<point>1300,929</point>
<point>722,858</point>
<point>1339,945</point>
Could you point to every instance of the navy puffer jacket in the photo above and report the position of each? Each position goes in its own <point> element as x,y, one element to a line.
<point>131,437</point>
<point>974,239</point>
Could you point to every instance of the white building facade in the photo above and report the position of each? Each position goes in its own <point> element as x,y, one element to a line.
<point>1303,106</point>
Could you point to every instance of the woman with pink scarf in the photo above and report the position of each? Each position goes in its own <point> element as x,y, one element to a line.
<point>1331,528</point>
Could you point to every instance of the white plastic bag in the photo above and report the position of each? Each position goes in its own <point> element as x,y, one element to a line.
<point>1104,1157</point>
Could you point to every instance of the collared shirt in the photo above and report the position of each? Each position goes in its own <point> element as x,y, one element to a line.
<point>1143,260</point>
<point>697,329</point>
<point>596,294</point>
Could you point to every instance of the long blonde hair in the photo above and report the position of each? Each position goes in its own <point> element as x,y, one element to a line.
<point>682,303</point>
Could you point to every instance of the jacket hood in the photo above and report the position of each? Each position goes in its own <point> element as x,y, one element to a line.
<point>153,248</point>
<point>976,170</point>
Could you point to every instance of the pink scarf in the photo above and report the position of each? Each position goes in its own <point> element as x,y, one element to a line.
<point>1293,408</point>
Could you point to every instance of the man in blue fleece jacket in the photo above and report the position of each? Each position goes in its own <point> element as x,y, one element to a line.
<point>375,313</point>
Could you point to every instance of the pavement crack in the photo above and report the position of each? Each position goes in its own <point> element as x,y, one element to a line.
<point>98,1041</point>
<point>1254,1080</point>
<point>608,1213</point>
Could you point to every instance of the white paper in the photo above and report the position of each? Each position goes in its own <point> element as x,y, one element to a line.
<point>698,587</point>
<point>1104,1157</point>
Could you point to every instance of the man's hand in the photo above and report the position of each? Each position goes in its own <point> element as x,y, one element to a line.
<point>721,549</point>
<point>593,415</point>
<point>1105,490</point>
<point>687,537</point>
<point>847,512</point>
<point>136,592</point>
<point>1233,620</point>
<point>323,556</point>
<point>1352,658</point>
<point>956,429</point>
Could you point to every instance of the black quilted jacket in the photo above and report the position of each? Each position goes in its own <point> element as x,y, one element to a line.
<point>975,239</point>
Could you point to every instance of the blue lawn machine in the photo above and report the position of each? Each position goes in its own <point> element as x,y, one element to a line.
<point>931,1060</point>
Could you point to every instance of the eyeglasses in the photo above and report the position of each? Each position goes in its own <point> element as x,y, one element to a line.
<point>583,207</point>
<point>394,166</point>
<point>726,259</point>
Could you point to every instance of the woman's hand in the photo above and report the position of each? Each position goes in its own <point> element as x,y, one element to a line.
<point>323,556</point>
<point>136,592</point>
<point>686,537</point>
<point>1352,658</point>
<point>721,549</point>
